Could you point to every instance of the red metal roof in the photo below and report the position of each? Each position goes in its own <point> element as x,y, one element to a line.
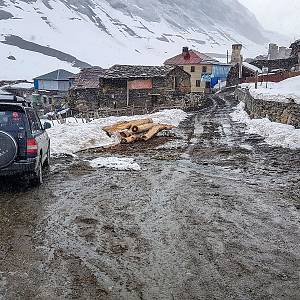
<point>194,58</point>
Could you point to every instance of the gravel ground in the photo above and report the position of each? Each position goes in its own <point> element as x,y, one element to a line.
<point>213,214</point>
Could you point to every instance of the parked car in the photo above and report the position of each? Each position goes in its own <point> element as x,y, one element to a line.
<point>24,142</point>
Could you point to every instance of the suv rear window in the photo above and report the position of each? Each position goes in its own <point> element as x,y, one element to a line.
<point>12,119</point>
<point>34,121</point>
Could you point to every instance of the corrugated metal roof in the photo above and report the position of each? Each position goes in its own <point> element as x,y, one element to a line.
<point>130,71</point>
<point>193,58</point>
<point>58,75</point>
<point>88,78</point>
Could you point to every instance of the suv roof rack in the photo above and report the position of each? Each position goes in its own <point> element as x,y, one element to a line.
<point>9,98</point>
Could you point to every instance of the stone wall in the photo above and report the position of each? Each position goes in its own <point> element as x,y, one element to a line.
<point>286,113</point>
<point>84,99</point>
<point>285,64</point>
<point>271,77</point>
<point>113,93</point>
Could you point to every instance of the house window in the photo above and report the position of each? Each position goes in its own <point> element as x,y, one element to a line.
<point>192,69</point>
<point>198,83</point>
<point>207,84</point>
<point>204,69</point>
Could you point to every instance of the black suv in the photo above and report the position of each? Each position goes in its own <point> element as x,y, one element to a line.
<point>24,143</point>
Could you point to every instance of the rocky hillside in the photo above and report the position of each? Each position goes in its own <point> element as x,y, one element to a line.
<point>38,36</point>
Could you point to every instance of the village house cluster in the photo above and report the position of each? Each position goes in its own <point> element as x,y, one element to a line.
<point>188,74</point>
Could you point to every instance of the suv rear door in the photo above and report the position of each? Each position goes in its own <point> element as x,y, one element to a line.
<point>13,121</point>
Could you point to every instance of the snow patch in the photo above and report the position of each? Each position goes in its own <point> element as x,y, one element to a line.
<point>275,134</point>
<point>116,163</point>
<point>75,136</point>
<point>283,91</point>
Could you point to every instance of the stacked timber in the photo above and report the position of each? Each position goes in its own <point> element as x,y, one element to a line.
<point>137,130</point>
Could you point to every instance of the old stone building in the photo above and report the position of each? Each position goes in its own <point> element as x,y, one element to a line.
<point>275,64</point>
<point>237,75</point>
<point>127,85</point>
<point>85,92</point>
<point>290,62</point>
<point>296,52</point>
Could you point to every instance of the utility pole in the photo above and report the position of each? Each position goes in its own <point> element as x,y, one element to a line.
<point>256,79</point>
<point>127,93</point>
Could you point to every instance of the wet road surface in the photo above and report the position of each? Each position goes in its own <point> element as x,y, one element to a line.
<point>214,214</point>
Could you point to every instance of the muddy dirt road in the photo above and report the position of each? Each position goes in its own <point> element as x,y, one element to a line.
<point>213,214</point>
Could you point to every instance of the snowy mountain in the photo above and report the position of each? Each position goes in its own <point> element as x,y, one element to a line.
<point>38,36</point>
<point>280,15</point>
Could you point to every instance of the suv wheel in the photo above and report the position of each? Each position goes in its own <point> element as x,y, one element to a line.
<point>8,149</point>
<point>47,161</point>
<point>38,175</point>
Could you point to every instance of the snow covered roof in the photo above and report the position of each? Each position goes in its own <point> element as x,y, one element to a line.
<point>131,71</point>
<point>22,85</point>
<point>252,67</point>
<point>58,75</point>
<point>192,57</point>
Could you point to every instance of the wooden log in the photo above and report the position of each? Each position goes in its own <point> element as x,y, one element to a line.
<point>131,139</point>
<point>140,122</point>
<point>155,130</point>
<point>117,127</point>
<point>125,125</point>
<point>125,133</point>
<point>142,128</point>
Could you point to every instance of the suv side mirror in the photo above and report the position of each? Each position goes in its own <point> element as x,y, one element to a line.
<point>47,125</point>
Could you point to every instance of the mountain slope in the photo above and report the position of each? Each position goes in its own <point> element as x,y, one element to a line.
<point>38,36</point>
<point>283,16</point>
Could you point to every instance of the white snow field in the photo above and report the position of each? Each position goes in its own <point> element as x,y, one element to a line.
<point>275,134</point>
<point>73,136</point>
<point>115,163</point>
<point>282,91</point>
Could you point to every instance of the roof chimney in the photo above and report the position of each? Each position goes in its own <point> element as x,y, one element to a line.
<point>185,52</point>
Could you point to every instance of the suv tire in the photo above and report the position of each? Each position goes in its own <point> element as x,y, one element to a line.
<point>38,175</point>
<point>47,161</point>
<point>8,149</point>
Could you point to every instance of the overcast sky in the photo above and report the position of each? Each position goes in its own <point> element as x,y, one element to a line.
<point>277,15</point>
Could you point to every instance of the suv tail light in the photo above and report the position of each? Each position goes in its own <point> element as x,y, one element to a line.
<point>32,147</point>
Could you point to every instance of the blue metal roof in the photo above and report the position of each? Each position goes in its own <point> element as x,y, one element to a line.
<point>58,75</point>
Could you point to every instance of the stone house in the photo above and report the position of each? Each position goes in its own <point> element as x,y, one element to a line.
<point>240,72</point>
<point>295,47</point>
<point>85,91</point>
<point>205,71</point>
<point>129,85</point>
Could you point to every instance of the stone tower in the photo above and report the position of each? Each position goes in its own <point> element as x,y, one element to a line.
<point>273,51</point>
<point>236,57</point>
